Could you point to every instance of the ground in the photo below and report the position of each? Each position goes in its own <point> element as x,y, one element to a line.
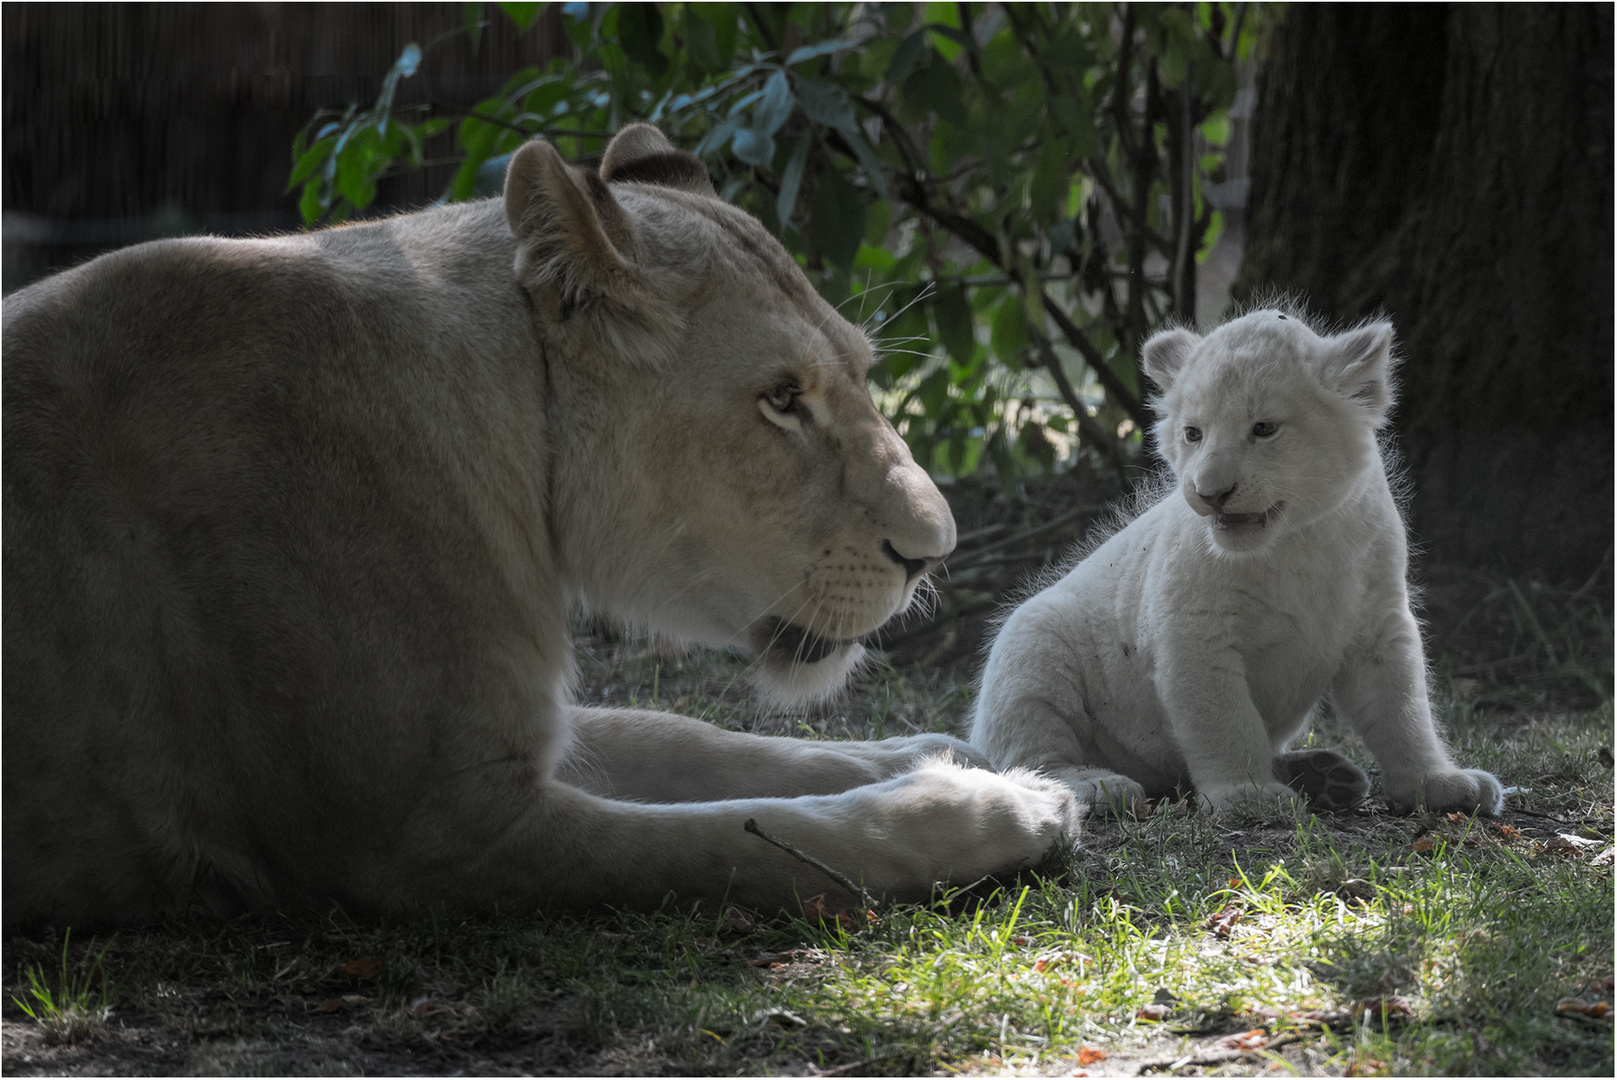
<point>1358,943</point>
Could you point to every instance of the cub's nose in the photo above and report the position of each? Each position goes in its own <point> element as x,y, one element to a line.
<point>1217,501</point>
<point>913,568</point>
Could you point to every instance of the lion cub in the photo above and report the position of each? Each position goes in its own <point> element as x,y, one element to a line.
<point>1193,645</point>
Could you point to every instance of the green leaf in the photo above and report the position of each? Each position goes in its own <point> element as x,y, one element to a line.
<point>904,61</point>
<point>936,87</point>
<point>753,148</point>
<point>522,14</point>
<point>775,107</point>
<point>828,104</point>
<point>824,48</point>
<point>953,316</point>
<point>311,160</point>
<point>791,180</point>
<point>837,218</point>
<point>640,33</point>
<point>311,205</point>
<point>1008,332</point>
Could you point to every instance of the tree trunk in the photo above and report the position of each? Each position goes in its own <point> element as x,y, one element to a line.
<point>1451,167</point>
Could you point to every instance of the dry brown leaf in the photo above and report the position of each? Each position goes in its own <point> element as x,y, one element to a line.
<point>1568,846</point>
<point>1594,1010</point>
<point>1366,1066</point>
<point>1223,921</point>
<point>1507,832</point>
<point>1088,1055</point>
<point>337,1004</point>
<point>366,967</point>
<point>1256,1039</point>
<point>1382,1009</point>
<point>1425,845</point>
<point>1153,1013</point>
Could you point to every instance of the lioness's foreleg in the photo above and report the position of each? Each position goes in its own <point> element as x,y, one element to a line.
<point>661,757</point>
<point>1381,689</point>
<point>898,838</point>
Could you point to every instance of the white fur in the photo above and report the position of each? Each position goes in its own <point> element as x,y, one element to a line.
<point>293,526</point>
<point>1193,644</point>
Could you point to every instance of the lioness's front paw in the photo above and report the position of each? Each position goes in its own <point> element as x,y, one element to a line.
<point>1470,790</point>
<point>944,823</point>
<point>1252,796</point>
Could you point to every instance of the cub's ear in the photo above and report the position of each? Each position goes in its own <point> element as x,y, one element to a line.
<point>1358,365</point>
<point>1165,354</point>
<point>641,154</point>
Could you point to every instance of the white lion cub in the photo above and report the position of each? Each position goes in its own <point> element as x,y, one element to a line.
<point>1192,646</point>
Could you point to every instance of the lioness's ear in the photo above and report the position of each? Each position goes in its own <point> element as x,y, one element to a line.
<point>1358,365</point>
<point>641,154</point>
<point>572,235</point>
<point>1165,354</point>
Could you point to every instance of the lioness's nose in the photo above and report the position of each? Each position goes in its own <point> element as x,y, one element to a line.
<point>913,568</point>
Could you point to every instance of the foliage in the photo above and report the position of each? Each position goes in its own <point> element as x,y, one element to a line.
<point>76,1009</point>
<point>1015,193</point>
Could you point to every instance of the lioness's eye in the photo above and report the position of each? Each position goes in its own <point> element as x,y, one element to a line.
<point>1193,434</point>
<point>783,395</point>
<point>1263,429</point>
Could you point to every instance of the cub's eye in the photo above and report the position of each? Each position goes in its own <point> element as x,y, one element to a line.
<point>1263,429</point>
<point>783,395</point>
<point>1193,434</point>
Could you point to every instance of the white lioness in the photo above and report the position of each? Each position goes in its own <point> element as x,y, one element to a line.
<point>1192,646</point>
<point>292,527</point>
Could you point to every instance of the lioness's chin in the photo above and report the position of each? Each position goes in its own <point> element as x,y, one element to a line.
<point>796,666</point>
<point>1245,532</point>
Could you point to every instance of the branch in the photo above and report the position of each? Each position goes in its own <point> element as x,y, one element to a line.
<point>1091,430</point>
<point>853,890</point>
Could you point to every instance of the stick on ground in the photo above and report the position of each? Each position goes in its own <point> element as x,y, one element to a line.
<point>842,880</point>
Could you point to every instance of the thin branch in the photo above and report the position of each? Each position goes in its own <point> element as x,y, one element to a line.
<point>853,890</point>
<point>1088,427</point>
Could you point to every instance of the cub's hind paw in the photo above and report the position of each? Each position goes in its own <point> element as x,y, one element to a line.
<point>1327,779</point>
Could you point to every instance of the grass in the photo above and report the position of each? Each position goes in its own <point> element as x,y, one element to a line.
<point>1358,943</point>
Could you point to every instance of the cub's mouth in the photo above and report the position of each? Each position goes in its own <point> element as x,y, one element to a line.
<point>787,643</point>
<point>1243,522</point>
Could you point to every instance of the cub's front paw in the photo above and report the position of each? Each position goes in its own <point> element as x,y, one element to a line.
<point>1100,788</point>
<point>1249,796</point>
<point>1470,790</point>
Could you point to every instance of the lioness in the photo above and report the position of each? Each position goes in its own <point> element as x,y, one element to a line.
<point>292,528</point>
<point>1193,645</point>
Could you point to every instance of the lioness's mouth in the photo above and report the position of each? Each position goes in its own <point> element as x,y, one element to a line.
<point>789,643</point>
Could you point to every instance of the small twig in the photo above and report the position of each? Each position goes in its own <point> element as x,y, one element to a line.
<point>1217,1057</point>
<point>854,890</point>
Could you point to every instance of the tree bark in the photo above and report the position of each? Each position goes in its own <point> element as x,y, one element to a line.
<point>1451,167</point>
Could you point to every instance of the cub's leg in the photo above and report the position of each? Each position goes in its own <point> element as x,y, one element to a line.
<point>1382,691</point>
<point>1227,748</point>
<point>1017,728</point>
<point>1327,779</point>
<point>660,757</point>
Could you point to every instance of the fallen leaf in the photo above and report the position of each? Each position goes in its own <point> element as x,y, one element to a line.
<point>1153,1013</point>
<point>366,967</point>
<point>1568,846</point>
<point>1382,1009</point>
<point>1508,832</point>
<point>1425,845</point>
<point>817,910</point>
<point>1222,922</point>
<point>1019,940</point>
<point>1366,1066</point>
<point>1088,1055</point>
<point>1457,817</point>
<point>1594,1010</point>
<point>1256,1039</point>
